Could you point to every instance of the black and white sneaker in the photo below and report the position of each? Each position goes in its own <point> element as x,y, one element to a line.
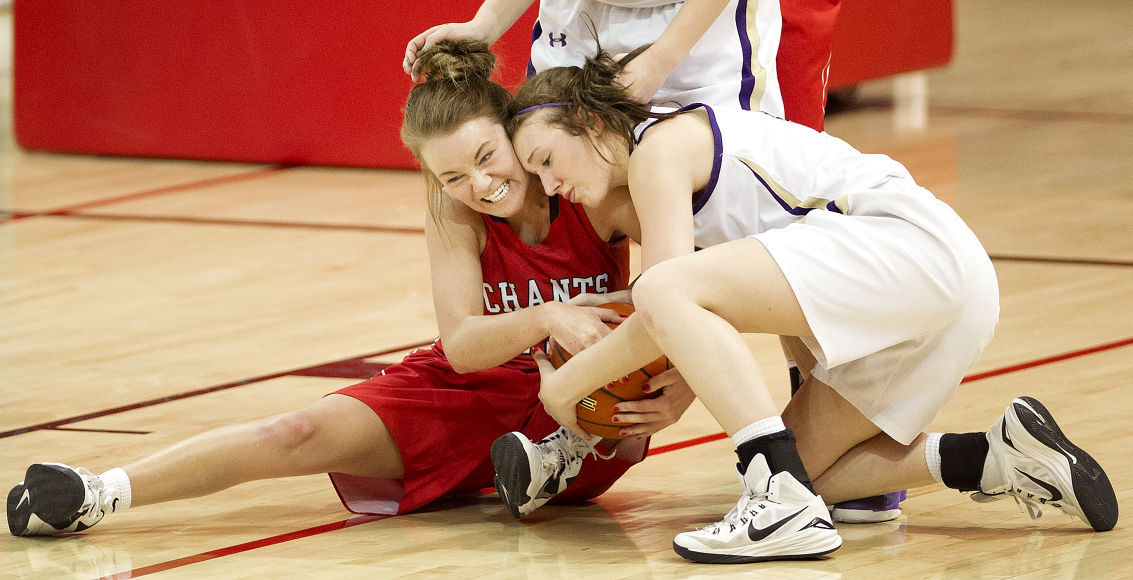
<point>1030,460</point>
<point>776,518</point>
<point>54,498</point>
<point>529,474</point>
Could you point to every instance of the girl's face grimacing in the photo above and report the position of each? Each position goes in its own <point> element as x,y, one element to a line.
<point>477,166</point>
<point>567,165</point>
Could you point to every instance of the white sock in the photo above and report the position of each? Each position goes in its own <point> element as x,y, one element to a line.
<point>772,424</point>
<point>932,456</point>
<point>117,492</point>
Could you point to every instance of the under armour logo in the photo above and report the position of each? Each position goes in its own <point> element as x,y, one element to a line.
<point>561,39</point>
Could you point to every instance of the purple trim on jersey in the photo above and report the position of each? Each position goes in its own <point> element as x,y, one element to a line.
<point>747,82</point>
<point>536,32</point>
<point>701,197</point>
<point>831,206</point>
<point>799,211</point>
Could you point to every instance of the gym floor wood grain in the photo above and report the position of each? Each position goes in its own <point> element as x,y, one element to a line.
<point>143,301</point>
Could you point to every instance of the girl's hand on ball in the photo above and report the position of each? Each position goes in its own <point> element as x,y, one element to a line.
<point>652,415</point>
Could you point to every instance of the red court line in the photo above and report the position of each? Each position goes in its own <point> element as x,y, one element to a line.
<point>150,192</point>
<point>1045,361</point>
<point>270,541</point>
<point>238,548</point>
<point>315,370</point>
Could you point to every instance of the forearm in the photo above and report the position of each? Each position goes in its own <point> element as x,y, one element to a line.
<point>691,22</point>
<point>621,352</point>
<point>483,342</point>
<point>495,17</point>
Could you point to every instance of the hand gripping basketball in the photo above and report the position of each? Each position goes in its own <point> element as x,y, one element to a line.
<point>595,411</point>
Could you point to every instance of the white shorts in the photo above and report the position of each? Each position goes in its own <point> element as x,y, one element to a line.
<point>896,325</point>
<point>732,66</point>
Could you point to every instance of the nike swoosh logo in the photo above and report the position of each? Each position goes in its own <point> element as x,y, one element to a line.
<point>114,505</point>
<point>26,498</point>
<point>1055,495</point>
<point>757,534</point>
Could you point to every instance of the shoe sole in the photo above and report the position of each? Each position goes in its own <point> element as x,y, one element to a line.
<point>1092,490</point>
<point>852,516</point>
<point>511,483</point>
<point>818,546</point>
<point>51,483</point>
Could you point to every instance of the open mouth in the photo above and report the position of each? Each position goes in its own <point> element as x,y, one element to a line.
<point>499,193</point>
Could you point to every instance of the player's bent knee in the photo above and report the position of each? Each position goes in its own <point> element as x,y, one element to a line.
<point>288,431</point>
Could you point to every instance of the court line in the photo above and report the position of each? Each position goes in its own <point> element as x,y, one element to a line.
<point>1056,260</point>
<point>331,369</point>
<point>287,537</point>
<point>194,220</point>
<point>238,548</point>
<point>14,215</point>
<point>419,230</point>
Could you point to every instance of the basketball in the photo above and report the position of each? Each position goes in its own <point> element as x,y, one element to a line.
<point>596,411</point>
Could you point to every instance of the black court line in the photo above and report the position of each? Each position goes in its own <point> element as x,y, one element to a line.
<point>1056,260</point>
<point>354,367</point>
<point>191,220</point>
<point>14,215</point>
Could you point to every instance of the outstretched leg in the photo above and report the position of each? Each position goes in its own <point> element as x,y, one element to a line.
<point>336,434</point>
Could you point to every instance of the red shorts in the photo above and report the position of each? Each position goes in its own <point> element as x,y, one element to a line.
<point>444,424</point>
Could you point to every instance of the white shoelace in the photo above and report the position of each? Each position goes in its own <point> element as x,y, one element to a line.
<point>558,448</point>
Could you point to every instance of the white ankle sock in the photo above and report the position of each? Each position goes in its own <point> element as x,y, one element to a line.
<point>932,456</point>
<point>117,490</point>
<point>772,424</point>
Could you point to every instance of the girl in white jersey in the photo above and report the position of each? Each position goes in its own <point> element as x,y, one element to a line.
<point>889,294</point>
<point>767,55</point>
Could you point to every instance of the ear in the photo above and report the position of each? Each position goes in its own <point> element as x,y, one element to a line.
<point>596,126</point>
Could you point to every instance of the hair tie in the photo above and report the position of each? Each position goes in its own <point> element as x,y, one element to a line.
<point>535,107</point>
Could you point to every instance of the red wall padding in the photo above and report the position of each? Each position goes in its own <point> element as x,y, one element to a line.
<point>270,81</point>
<point>304,82</point>
<point>879,38</point>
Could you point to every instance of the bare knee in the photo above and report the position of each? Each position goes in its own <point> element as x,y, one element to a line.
<point>287,432</point>
<point>657,293</point>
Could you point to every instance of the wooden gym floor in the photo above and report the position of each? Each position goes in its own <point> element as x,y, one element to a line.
<point>143,301</point>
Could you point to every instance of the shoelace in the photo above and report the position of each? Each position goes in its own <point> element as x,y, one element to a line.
<point>96,486</point>
<point>563,445</point>
<point>1022,497</point>
<point>741,514</point>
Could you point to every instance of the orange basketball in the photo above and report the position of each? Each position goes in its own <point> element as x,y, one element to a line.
<point>596,411</point>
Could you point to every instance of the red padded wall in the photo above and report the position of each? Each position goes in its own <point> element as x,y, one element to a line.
<point>271,81</point>
<point>878,38</point>
<point>306,83</point>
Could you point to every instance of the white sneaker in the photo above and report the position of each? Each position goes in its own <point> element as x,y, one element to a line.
<point>1031,460</point>
<point>54,498</point>
<point>529,474</point>
<point>777,518</point>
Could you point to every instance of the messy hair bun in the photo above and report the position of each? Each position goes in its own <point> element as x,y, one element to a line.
<point>457,60</point>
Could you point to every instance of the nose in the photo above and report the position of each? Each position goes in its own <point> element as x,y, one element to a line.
<point>480,180</point>
<point>550,184</point>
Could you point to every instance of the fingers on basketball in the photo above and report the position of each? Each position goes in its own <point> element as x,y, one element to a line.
<point>596,411</point>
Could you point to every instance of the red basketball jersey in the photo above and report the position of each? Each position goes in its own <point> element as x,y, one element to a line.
<point>572,260</point>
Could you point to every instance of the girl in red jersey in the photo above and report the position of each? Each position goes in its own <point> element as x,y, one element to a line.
<point>505,259</point>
